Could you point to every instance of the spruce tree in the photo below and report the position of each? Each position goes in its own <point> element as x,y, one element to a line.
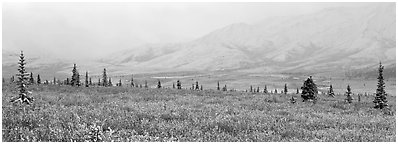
<point>258,89</point>
<point>55,81</point>
<point>309,90</point>
<point>174,86</point>
<point>348,94</point>
<point>359,97</point>
<point>146,84</point>
<point>276,91</point>
<point>23,80</point>
<point>224,88</point>
<point>110,82</point>
<point>297,91</point>
<point>178,84</point>
<point>31,80</point>
<point>159,84</point>
<point>251,88</point>
<point>104,78</point>
<point>218,85</point>
<point>90,82</point>
<point>38,79</point>
<point>331,92</point>
<point>201,87</point>
<point>75,76</point>
<point>265,89</point>
<point>99,82</point>
<point>67,81</point>
<point>86,82</point>
<point>380,99</point>
<point>197,86</point>
<point>285,90</point>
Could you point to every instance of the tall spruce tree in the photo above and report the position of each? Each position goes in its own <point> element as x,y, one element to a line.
<point>86,82</point>
<point>159,84</point>
<point>75,81</point>
<point>218,85</point>
<point>348,94</point>
<point>197,85</point>
<point>331,92</point>
<point>23,80</point>
<point>99,82</point>
<point>38,79</point>
<point>251,88</point>
<point>31,80</point>
<point>285,89</point>
<point>55,81</point>
<point>104,78</point>
<point>265,89</point>
<point>90,82</point>
<point>380,99</point>
<point>309,90</point>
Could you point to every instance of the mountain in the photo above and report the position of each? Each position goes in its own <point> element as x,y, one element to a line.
<point>334,39</point>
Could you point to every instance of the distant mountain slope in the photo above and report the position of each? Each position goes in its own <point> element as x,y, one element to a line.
<point>332,39</point>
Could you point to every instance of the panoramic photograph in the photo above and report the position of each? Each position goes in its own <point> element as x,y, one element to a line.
<point>198,72</point>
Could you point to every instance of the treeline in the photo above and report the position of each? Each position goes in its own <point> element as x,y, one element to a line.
<point>309,89</point>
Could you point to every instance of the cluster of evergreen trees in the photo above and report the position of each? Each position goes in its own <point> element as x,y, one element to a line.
<point>309,89</point>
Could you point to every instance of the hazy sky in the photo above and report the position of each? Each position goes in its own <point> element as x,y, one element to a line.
<point>101,28</point>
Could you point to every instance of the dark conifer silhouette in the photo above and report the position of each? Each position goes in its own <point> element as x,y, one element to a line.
<point>159,84</point>
<point>348,94</point>
<point>380,100</point>
<point>197,86</point>
<point>251,88</point>
<point>178,84</point>
<point>90,82</point>
<point>331,92</point>
<point>146,84</point>
<point>285,89</point>
<point>22,82</point>
<point>174,86</point>
<point>258,89</point>
<point>201,87</point>
<point>297,91</point>
<point>38,79</point>
<point>110,82</point>
<point>120,82</point>
<point>75,81</point>
<point>86,82</point>
<point>104,78</point>
<point>265,89</point>
<point>309,90</point>
<point>31,80</point>
<point>218,85</point>
<point>99,82</point>
<point>54,81</point>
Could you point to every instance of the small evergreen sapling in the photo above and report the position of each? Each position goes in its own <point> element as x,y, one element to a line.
<point>38,79</point>
<point>265,89</point>
<point>285,90</point>
<point>159,84</point>
<point>104,78</point>
<point>178,84</point>
<point>218,85</point>
<point>331,92</point>
<point>86,82</point>
<point>348,94</point>
<point>31,80</point>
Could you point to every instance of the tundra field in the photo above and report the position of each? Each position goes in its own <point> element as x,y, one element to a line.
<point>65,113</point>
